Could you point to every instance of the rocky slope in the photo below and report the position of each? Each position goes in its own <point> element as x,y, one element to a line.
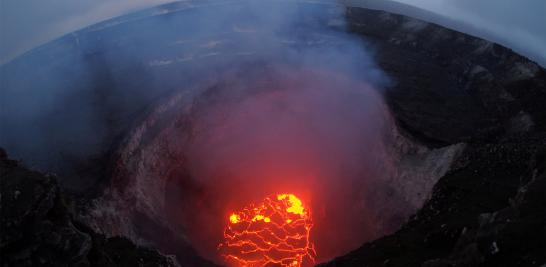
<point>450,87</point>
<point>37,227</point>
<point>489,209</point>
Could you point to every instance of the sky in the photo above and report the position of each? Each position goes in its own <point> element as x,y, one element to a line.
<point>25,24</point>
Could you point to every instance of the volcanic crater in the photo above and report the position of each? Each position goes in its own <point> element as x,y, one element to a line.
<point>388,129</point>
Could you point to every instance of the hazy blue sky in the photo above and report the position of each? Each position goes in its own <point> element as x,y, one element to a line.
<point>25,24</point>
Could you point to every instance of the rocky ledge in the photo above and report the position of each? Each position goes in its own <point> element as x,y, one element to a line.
<point>489,210</point>
<point>37,227</point>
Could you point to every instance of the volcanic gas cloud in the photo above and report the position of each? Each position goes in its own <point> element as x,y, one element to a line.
<point>288,105</point>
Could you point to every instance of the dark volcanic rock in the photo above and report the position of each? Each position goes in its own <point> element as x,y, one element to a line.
<point>489,210</point>
<point>37,228</point>
<point>451,87</point>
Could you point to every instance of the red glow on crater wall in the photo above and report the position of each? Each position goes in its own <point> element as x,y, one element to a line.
<point>315,135</point>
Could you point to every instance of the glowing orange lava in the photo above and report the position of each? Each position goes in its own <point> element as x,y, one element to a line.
<point>273,233</point>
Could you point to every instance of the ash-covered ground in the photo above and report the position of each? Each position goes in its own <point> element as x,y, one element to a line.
<point>469,116</point>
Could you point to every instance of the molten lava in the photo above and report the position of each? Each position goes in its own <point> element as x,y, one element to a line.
<point>272,233</point>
